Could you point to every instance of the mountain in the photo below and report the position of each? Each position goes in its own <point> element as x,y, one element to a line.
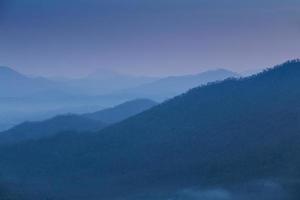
<point>7,73</point>
<point>15,84</point>
<point>28,98</point>
<point>105,82</point>
<point>66,123</point>
<point>32,99</point>
<point>122,111</point>
<point>230,140</point>
<point>174,85</point>
<point>43,129</point>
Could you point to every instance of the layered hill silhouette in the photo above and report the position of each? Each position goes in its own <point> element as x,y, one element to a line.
<point>103,81</point>
<point>234,139</point>
<point>122,111</point>
<point>43,129</point>
<point>174,85</point>
<point>24,97</point>
<point>71,122</point>
<point>15,84</point>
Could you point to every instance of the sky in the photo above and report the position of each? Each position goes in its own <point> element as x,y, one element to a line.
<point>147,37</point>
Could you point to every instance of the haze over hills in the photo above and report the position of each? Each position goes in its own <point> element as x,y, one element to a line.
<point>43,129</point>
<point>14,84</point>
<point>77,123</point>
<point>174,85</point>
<point>149,100</point>
<point>122,111</point>
<point>103,82</point>
<point>27,98</point>
<point>235,139</point>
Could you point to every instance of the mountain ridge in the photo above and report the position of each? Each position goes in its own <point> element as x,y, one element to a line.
<point>171,86</point>
<point>121,111</point>
<point>228,135</point>
<point>40,98</point>
<point>74,122</point>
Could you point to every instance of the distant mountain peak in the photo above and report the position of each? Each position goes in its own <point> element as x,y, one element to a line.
<point>9,73</point>
<point>4,69</point>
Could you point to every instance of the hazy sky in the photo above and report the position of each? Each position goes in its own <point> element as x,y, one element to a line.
<point>154,37</point>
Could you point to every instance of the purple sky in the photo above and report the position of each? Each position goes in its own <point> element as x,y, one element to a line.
<point>148,37</point>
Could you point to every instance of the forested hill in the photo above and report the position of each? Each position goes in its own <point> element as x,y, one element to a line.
<point>224,135</point>
<point>122,111</point>
<point>71,122</point>
<point>50,127</point>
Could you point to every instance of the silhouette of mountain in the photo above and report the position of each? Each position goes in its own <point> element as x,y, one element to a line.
<point>122,111</point>
<point>37,130</point>
<point>174,85</point>
<point>32,99</point>
<point>15,84</point>
<point>85,122</point>
<point>223,140</point>
<point>103,82</point>
<point>218,135</point>
<point>8,73</point>
<point>28,98</point>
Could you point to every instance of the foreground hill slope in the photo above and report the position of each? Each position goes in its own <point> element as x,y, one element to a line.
<point>231,135</point>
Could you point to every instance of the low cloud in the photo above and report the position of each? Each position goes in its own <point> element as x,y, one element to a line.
<point>258,190</point>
